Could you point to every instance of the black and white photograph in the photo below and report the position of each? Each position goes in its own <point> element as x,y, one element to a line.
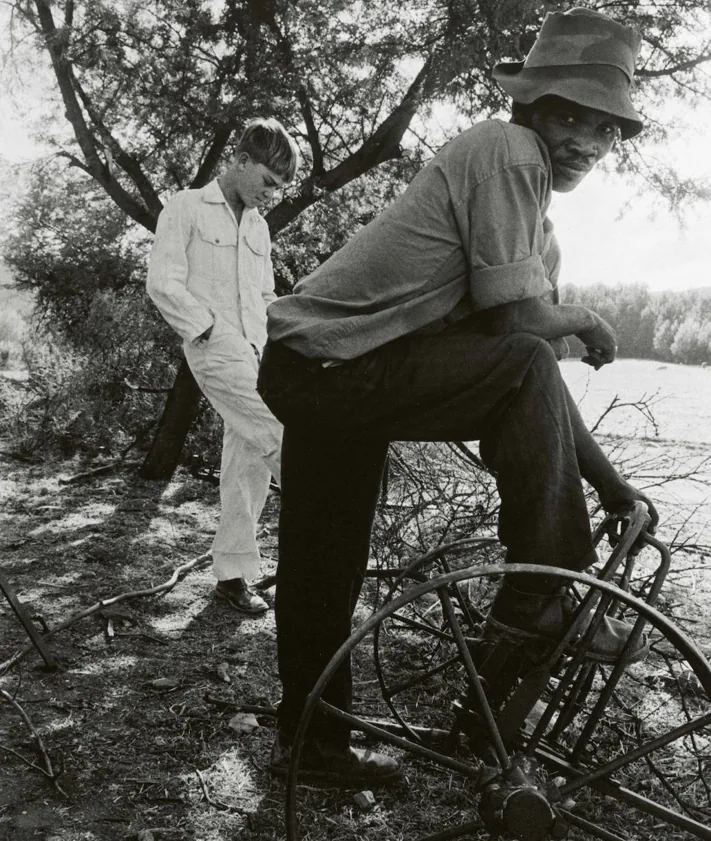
<point>355,420</point>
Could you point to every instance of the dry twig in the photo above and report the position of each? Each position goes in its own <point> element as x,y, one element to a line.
<point>106,468</point>
<point>159,589</point>
<point>48,770</point>
<point>218,804</point>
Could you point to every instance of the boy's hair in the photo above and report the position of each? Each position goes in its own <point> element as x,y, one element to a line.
<point>267,142</point>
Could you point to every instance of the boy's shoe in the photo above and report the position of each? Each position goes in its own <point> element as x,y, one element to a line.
<point>547,616</point>
<point>240,596</point>
<point>326,765</point>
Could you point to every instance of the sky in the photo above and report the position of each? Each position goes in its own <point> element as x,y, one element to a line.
<point>607,232</point>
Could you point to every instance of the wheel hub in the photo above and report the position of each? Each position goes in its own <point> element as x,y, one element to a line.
<point>517,805</point>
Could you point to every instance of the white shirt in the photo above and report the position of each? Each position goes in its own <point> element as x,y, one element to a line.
<point>205,266</point>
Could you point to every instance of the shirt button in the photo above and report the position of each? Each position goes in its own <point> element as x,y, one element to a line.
<point>217,239</point>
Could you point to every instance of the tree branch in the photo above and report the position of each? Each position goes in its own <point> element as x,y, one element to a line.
<point>267,15</point>
<point>56,41</point>
<point>198,562</point>
<point>127,162</point>
<point>48,770</point>
<point>381,146</point>
<point>212,156</point>
<point>703,57</point>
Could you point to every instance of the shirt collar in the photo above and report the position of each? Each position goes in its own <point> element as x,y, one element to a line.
<point>213,194</point>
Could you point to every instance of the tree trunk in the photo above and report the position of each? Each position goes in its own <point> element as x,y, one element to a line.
<point>178,414</point>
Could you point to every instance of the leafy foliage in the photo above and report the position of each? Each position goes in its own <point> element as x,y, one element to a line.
<point>155,93</point>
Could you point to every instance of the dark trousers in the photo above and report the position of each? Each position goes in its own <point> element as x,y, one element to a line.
<point>505,392</point>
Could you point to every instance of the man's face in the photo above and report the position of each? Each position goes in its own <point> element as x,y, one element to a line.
<point>577,138</point>
<point>254,182</point>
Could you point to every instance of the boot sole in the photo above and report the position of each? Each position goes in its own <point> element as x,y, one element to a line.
<point>519,635</point>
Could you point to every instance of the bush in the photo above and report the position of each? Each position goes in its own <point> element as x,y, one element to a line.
<point>103,397</point>
<point>13,328</point>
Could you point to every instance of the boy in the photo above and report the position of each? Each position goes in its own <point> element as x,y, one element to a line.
<point>210,275</point>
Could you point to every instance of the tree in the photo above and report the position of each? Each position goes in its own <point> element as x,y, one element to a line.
<point>692,342</point>
<point>154,92</point>
<point>667,326</point>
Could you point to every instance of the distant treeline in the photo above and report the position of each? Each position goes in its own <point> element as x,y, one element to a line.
<point>669,326</point>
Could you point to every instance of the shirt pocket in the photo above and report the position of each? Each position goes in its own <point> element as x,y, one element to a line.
<point>217,253</point>
<point>256,243</point>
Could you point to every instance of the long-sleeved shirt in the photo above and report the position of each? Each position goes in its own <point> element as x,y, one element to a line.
<point>205,266</point>
<point>470,232</point>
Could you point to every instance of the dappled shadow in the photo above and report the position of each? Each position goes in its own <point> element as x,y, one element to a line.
<point>65,546</point>
<point>125,718</point>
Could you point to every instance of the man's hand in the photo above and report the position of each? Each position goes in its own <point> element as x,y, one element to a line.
<point>621,498</point>
<point>600,342</point>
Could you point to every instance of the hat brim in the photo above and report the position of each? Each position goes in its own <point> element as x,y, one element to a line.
<point>595,86</point>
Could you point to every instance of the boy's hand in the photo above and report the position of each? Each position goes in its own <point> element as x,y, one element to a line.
<point>203,337</point>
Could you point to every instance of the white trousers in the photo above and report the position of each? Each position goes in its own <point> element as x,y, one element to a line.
<point>225,367</point>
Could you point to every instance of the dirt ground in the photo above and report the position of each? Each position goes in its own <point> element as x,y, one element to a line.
<point>139,720</point>
<point>136,720</point>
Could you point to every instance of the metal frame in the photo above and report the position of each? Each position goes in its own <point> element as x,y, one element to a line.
<point>602,596</point>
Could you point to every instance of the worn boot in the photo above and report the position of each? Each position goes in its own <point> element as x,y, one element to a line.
<point>236,593</point>
<point>337,766</point>
<point>547,616</point>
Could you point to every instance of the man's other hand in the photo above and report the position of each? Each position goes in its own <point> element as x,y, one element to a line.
<point>600,342</point>
<point>621,498</point>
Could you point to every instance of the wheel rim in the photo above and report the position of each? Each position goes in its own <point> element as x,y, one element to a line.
<point>554,749</point>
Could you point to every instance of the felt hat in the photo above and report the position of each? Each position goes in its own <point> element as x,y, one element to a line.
<point>583,56</point>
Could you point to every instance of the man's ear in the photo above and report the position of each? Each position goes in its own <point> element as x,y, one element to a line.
<point>243,159</point>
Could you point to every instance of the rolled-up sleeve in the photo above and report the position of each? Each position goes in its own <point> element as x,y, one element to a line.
<point>502,223</point>
<point>167,280</point>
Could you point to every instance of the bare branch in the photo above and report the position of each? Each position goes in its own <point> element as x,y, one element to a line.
<point>48,770</point>
<point>127,162</point>
<point>381,146</point>
<point>56,41</point>
<point>178,573</point>
<point>212,156</point>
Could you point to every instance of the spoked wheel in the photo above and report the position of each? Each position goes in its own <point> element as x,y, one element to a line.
<point>531,742</point>
<point>423,656</point>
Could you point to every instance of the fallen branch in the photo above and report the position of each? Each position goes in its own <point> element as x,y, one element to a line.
<point>100,471</point>
<point>18,457</point>
<point>48,770</point>
<point>144,389</point>
<point>233,706</point>
<point>168,585</point>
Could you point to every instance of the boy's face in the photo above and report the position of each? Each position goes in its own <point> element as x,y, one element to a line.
<point>577,137</point>
<point>255,183</point>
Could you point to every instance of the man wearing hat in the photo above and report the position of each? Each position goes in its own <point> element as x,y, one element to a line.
<point>439,321</point>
